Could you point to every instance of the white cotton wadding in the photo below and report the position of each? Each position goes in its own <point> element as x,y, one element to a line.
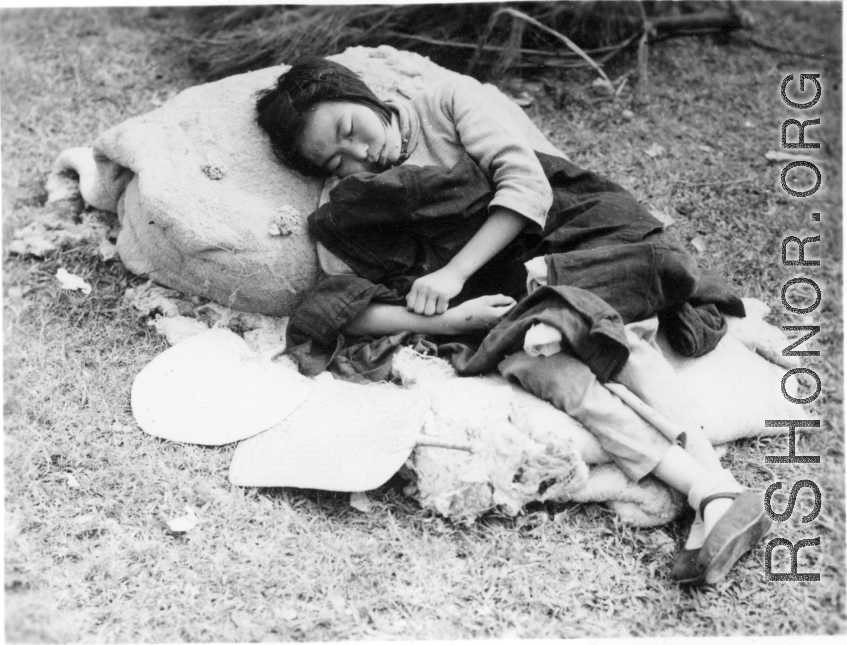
<point>414,369</point>
<point>536,273</point>
<point>287,220</point>
<point>177,328</point>
<point>542,340</point>
<point>214,168</point>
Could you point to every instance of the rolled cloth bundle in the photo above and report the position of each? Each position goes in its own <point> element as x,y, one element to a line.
<point>205,207</point>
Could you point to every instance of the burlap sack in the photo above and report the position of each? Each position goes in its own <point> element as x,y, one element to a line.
<point>204,206</point>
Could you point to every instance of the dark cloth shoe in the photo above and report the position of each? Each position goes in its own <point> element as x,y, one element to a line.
<point>686,568</point>
<point>738,531</point>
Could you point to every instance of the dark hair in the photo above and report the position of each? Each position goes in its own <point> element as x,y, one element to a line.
<point>311,80</point>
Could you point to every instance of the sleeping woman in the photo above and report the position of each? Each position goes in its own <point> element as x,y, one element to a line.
<point>446,230</point>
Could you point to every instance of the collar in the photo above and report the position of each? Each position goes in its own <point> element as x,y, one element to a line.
<point>409,126</point>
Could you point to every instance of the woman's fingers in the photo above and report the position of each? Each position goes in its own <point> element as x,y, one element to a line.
<point>415,300</point>
<point>420,303</point>
<point>429,303</point>
<point>426,303</point>
<point>429,306</point>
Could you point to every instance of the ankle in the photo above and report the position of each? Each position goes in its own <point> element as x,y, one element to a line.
<point>697,533</point>
<point>714,482</point>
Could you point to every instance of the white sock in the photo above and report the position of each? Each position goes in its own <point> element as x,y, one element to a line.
<point>697,534</point>
<point>716,481</point>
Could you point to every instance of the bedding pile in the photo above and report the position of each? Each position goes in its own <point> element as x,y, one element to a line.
<point>524,449</point>
<point>206,212</point>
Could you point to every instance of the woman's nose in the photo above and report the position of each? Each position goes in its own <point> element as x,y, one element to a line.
<point>357,150</point>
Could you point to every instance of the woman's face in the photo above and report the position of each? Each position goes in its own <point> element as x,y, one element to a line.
<point>346,138</point>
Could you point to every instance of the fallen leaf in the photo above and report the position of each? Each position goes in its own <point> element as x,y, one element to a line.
<point>50,232</point>
<point>32,245</point>
<point>288,614</point>
<point>361,502</point>
<point>699,244</point>
<point>149,298</point>
<point>663,216</point>
<point>602,87</point>
<point>685,208</point>
<point>184,523</point>
<point>524,100</point>
<point>107,250</point>
<point>72,282</point>
<point>72,482</point>
<point>654,151</point>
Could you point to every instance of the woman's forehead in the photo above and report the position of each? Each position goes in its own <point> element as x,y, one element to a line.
<point>323,117</point>
<point>320,129</point>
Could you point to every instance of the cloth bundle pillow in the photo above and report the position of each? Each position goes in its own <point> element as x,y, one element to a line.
<point>204,206</point>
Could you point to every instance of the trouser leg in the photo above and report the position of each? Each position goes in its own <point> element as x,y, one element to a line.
<point>648,375</point>
<point>566,382</point>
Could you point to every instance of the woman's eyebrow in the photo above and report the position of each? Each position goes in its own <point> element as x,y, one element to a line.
<point>338,137</point>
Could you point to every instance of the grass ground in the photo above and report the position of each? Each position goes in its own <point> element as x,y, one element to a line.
<point>88,557</point>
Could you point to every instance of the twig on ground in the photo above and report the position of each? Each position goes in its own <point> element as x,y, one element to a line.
<point>750,38</point>
<point>646,28</point>
<point>447,43</point>
<point>532,21</point>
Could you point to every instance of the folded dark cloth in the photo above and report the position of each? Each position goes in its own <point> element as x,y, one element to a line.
<point>409,221</point>
<point>608,265</point>
<point>695,327</point>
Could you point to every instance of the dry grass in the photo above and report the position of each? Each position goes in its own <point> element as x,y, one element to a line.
<point>95,562</point>
<point>229,40</point>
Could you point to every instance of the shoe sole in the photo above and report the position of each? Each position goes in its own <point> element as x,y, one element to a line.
<point>691,578</point>
<point>736,546</point>
<point>691,581</point>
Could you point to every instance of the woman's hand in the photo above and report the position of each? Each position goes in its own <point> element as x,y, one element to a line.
<point>480,313</point>
<point>431,294</point>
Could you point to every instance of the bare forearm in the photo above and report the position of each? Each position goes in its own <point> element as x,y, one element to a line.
<point>479,314</point>
<point>502,226</point>
<point>381,320</point>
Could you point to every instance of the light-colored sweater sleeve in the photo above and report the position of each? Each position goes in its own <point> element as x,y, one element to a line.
<point>497,144</point>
